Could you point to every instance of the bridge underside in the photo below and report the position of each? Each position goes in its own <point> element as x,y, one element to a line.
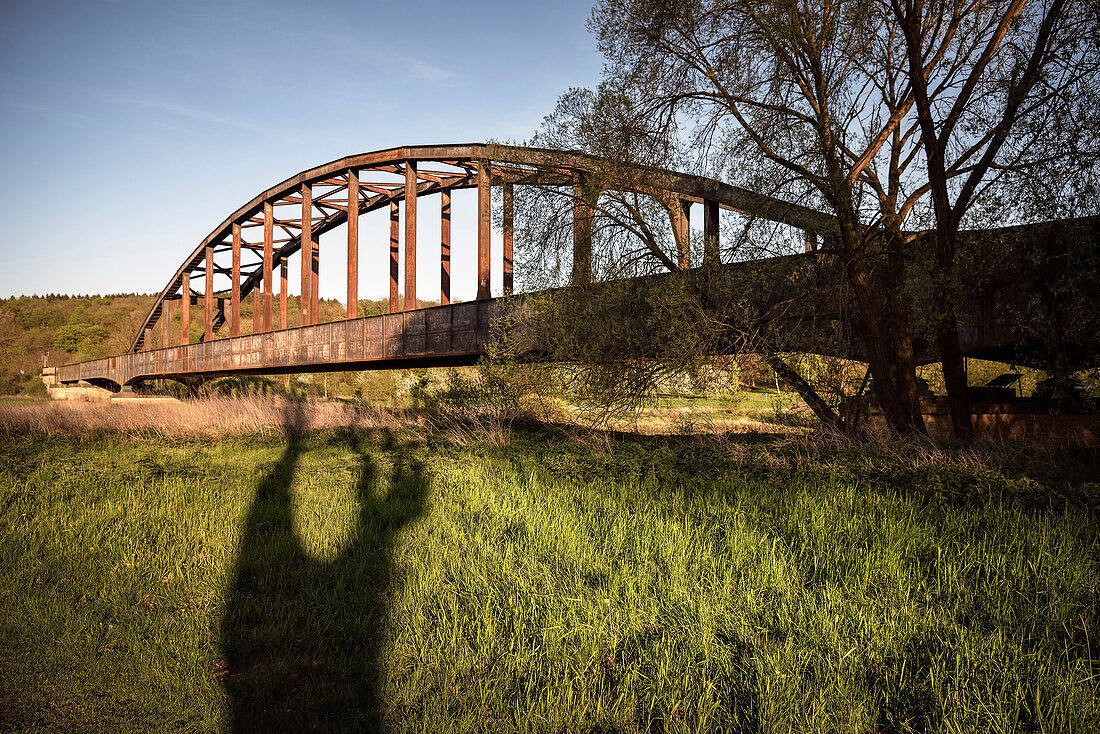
<point>443,336</point>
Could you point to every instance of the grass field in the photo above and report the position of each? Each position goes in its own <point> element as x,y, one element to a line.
<point>394,579</point>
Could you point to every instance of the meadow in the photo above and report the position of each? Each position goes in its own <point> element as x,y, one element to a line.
<point>363,571</point>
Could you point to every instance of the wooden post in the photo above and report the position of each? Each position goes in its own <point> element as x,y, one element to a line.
<point>235,292</point>
<point>508,233</point>
<point>395,233</point>
<point>282,292</point>
<point>269,219</point>
<point>410,235</point>
<point>353,243</point>
<point>583,211</point>
<point>306,251</point>
<point>484,230</point>
<point>208,303</point>
<point>445,246</point>
<point>711,250</point>
<point>185,309</point>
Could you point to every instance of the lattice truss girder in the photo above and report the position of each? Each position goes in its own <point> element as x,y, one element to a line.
<point>261,237</point>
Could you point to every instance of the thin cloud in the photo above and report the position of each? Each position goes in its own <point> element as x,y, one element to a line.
<point>203,116</point>
<point>431,73</point>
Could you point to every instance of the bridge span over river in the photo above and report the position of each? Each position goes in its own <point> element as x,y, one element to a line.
<point>248,256</point>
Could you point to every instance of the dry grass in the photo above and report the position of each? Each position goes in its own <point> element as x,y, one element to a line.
<point>211,416</point>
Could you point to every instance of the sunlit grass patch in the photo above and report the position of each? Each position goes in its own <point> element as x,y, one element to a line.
<point>355,580</point>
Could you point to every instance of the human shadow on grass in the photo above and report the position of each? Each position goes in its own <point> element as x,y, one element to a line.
<point>304,638</point>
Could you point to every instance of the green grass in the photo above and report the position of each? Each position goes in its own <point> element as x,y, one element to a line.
<point>341,582</point>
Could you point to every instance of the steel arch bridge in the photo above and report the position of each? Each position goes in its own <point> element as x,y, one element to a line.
<point>288,218</point>
<point>252,247</point>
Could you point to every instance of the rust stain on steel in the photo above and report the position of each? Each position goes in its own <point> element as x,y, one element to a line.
<point>584,207</point>
<point>208,299</point>
<point>353,243</point>
<point>472,164</point>
<point>166,321</point>
<point>235,286</point>
<point>395,233</point>
<point>307,252</point>
<point>185,309</point>
<point>508,237</point>
<point>455,334</point>
<point>680,213</point>
<point>269,224</point>
<point>711,248</point>
<point>282,292</point>
<point>445,246</point>
<point>484,230</point>
<point>410,236</point>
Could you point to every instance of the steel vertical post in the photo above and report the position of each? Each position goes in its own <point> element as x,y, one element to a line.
<point>811,240</point>
<point>269,225</point>
<point>235,291</point>
<point>484,230</point>
<point>165,317</point>
<point>306,253</point>
<point>508,234</point>
<point>185,309</point>
<point>680,215</point>
<point>282,292</point>
<point>257,309</point>
<point>395,255</point>
<point>711,245</point>
<point>314,279</point>
<point>410,235</point>
<point>583,211</point>
<point>208,301</point>
<point>170,306</point>
<point>353,244</point>
<point>445,246</point>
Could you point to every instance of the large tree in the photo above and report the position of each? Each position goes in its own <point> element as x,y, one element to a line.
<point>892,115</point>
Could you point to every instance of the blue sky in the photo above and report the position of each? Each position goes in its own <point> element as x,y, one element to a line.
<point>129,130</point>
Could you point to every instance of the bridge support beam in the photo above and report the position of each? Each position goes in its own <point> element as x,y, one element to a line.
<point>484,230</point>
<point>235,286</point>
<point>166,323</point>
<point>269,225</point>
<point>353,244</point>
<point>185,309</point>
<point>508,237</point>
<point>395,255</point>
<point>410,235</point>
<point>811,240</point>
<point>257,311</point>
<point>680,216</point>
<point>282,292</point>
<point>584,209</point>
<point>208,296</point>
<point>306,253</point>
<point>445,247</point>
<point>711,245</point>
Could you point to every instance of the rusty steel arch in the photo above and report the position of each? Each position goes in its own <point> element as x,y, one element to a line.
<point>324,195</point>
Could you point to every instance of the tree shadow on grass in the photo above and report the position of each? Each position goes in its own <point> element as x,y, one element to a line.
<point>303,638</point>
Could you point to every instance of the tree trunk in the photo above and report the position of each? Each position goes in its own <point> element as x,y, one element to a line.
<point>947,339</point>
<point>825,414</point>
<point>905,364</point>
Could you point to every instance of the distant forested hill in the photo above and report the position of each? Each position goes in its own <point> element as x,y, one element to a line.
<point>78,328</point>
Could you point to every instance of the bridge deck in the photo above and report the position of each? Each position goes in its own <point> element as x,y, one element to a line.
<point>439,336</point>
